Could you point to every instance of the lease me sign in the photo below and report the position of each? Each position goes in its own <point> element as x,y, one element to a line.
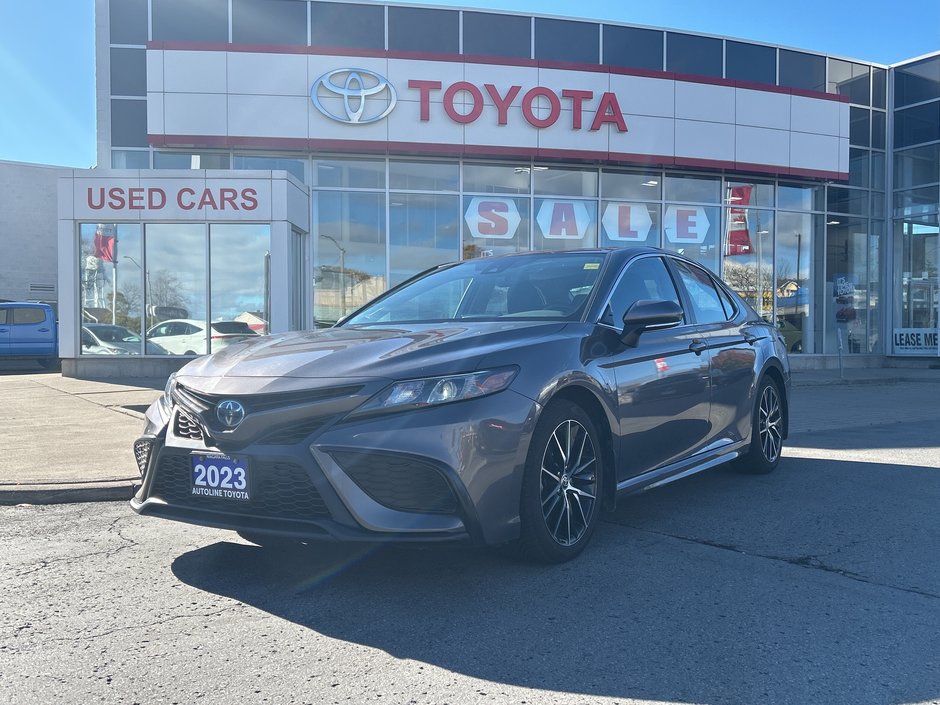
<point>916,341</point>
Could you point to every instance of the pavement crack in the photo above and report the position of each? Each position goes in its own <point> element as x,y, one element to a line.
<point>811,562</point>
<point>136,627</point>
<point>109,552</point>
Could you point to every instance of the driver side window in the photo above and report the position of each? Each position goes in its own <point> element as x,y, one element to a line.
<point>647,279</point>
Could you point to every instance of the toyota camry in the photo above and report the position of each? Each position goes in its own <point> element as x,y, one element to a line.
<point>503,400</point>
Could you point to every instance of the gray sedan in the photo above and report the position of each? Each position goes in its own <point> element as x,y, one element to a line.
<point>499,400</point>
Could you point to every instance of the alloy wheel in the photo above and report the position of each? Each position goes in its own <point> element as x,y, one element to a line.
<point>568,481</point>
<point>769,423</point>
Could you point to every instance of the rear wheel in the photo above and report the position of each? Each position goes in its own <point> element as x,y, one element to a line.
<point>763,455</point>
<point>561,486</point>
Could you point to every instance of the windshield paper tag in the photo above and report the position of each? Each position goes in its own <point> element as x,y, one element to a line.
<point>592,265</point>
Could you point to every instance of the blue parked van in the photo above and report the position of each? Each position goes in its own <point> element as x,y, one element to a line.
<point>29,330</point>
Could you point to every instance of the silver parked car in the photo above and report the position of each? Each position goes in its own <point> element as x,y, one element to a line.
<point>505,399</point>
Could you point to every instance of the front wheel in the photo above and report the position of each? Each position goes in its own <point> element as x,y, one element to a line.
<point>763,455</point>
<point>562,484</point>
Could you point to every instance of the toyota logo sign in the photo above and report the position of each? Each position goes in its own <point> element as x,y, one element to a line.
<point>353,96</point>
<point>230,413</point>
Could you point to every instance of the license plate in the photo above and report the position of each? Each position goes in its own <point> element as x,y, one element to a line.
<point>219,476</point>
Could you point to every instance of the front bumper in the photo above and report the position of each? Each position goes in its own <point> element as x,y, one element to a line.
<point>447,473</point>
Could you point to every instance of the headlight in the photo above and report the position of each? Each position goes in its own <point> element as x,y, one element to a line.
<point>167,398</point>
<point>420,393</point>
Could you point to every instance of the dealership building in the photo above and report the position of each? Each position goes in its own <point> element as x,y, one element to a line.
<point>280,162</point>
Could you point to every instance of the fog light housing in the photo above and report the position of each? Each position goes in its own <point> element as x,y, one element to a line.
<point>142,449</point>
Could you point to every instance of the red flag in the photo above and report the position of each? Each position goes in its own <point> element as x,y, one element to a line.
<point>104,246</point>
<point>738,240</point>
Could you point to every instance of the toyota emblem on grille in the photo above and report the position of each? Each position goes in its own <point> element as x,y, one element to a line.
<point>364,96</point>
<point>230,413</point>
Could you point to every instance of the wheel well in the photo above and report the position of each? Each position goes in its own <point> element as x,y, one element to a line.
<point>777,376</point>
<point>592,405</point>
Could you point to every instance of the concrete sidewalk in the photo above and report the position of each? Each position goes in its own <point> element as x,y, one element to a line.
<point>70,440</point>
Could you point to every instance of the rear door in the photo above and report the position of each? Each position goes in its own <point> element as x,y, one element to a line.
<point>4,331</point>
<point>32,332</point>
<point>662,383</point>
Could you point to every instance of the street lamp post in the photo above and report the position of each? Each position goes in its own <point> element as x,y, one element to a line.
<point>342,271</point>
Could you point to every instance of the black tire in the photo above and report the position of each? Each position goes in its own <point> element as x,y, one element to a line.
<point>561,485</point>
<point>767,426</point>
<point>49,363</point>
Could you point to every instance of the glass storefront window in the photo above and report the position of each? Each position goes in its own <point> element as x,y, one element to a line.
<point>639,186</point>
<point>267,22</point>
<point>851,80</point>
<point>692,231</point>
<point>561,181</point>
<point>496,178</point>
<point>847,200</point>
<point>794,278</point>
<point>295,167</point>
<point>424,176</point>
<point>859,127</point>
<point>858,167</point>
<point>693,189</point>
<point>494,225</point>
<point>800,70</point>
<point>624,224</point>
<point>847,285</point>
<point>916,201</point>
<point>801,198</point>
<point>240,282</point>
<point>130,159</point>
<point>564,224</point>
<point>918,166</point>
<point>186,160</point>
<point>347,25</point>
<point>879,129</point>
<point>565,40</point>
<point>349,173</point>
<point>485,34</point>
<point>111,294</point>
<point>750,62</point>
<point>916,272</point>
<point>423,29</point>
<point>633,47</point>
<point>741,194</point>
<point>878,171</point>
<point>917,82</point>
<point>187,21</point>
<point>917,125</point>
<point>349,236</point>
<point>748,254</point>
<point>176,313</point>
<point>693,54</point>
<point>128,71</point>
<point>424,230</point>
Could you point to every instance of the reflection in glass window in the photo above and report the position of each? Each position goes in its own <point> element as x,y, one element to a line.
<point>858,167</point>
<point>914,167</point>
<point>294,167</point>
<point>916,272</point>
<point>129,123</point>
<point>799,70</point>
<point>801,198</point>
<point>859,126</point>
<point>486,34</point>
<point>563,181</point>
<point>847,286</point>
<point>187,21</point>
<point>130,159</point>
<point>349,173</point>
<point>879,82</point>
<point>128,71</point>
<point>748,252</point>
<point>128,22</point>
<point>624,224</point>
<point>564,40</point>
<point>693,231</point>
<point>422,29</point>
<point>640,186</point>
<point>494,225</point>
<point>565,224</point>
<point>349,236</point>
<point>916,201</point>
<point>175,258</point>
<point>644,279</point>
<point>878,171</point>
<point>878,129</point>
<point>424,176</point>
<point>706,304</point>
<point>750,62</point>
<point>496,178</point>
<point>749,193</point>
<point>851,80</point>
<point>633,48</point>
<point>846,200</point>
<point>693,54</point>
<point>916,125</point>
<point>424,230</point>
<point>187,160</point>
<point>794,277</point>
<point>111,287</point>
<point>347,25</point>
<point>695,189</point>
<point>917,82</point>
<point>269,22</point>
<point>240,256</point>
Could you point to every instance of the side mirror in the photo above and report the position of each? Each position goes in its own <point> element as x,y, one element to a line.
<point>646,314</point>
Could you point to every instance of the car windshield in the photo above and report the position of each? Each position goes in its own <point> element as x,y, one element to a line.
<point>232,327</point>
<point>552,286</point>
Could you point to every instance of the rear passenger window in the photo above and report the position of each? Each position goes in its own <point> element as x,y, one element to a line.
<point>28,315</point>
<point>645,279</point>
<point>3,316</point>
<point>706,305</point>
<point>730,308</point>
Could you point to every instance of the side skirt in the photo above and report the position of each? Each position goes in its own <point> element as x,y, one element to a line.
<point>683,468</point>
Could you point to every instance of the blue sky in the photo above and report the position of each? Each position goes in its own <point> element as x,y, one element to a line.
<point>47,109</point>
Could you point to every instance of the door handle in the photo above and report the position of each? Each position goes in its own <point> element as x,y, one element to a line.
<point>750,338</point>
<point>698,346</point>
<point>43,330</point>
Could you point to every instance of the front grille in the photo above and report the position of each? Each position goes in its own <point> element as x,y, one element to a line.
<point>142,449</point>
<point>278,489</point>
<point>398,482</point>
<point>264,402</point>
<point>292,434</point>
<point>186,426</point>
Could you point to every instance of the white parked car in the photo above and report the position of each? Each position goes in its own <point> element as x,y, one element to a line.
<point>187,336</point>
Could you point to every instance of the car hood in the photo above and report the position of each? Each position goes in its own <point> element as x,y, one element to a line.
<point>369,352</point>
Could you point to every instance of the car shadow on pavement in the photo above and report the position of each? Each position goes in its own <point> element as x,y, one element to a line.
<point>807,585</point>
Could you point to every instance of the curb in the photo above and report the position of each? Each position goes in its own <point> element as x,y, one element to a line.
<point>70,493</point>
